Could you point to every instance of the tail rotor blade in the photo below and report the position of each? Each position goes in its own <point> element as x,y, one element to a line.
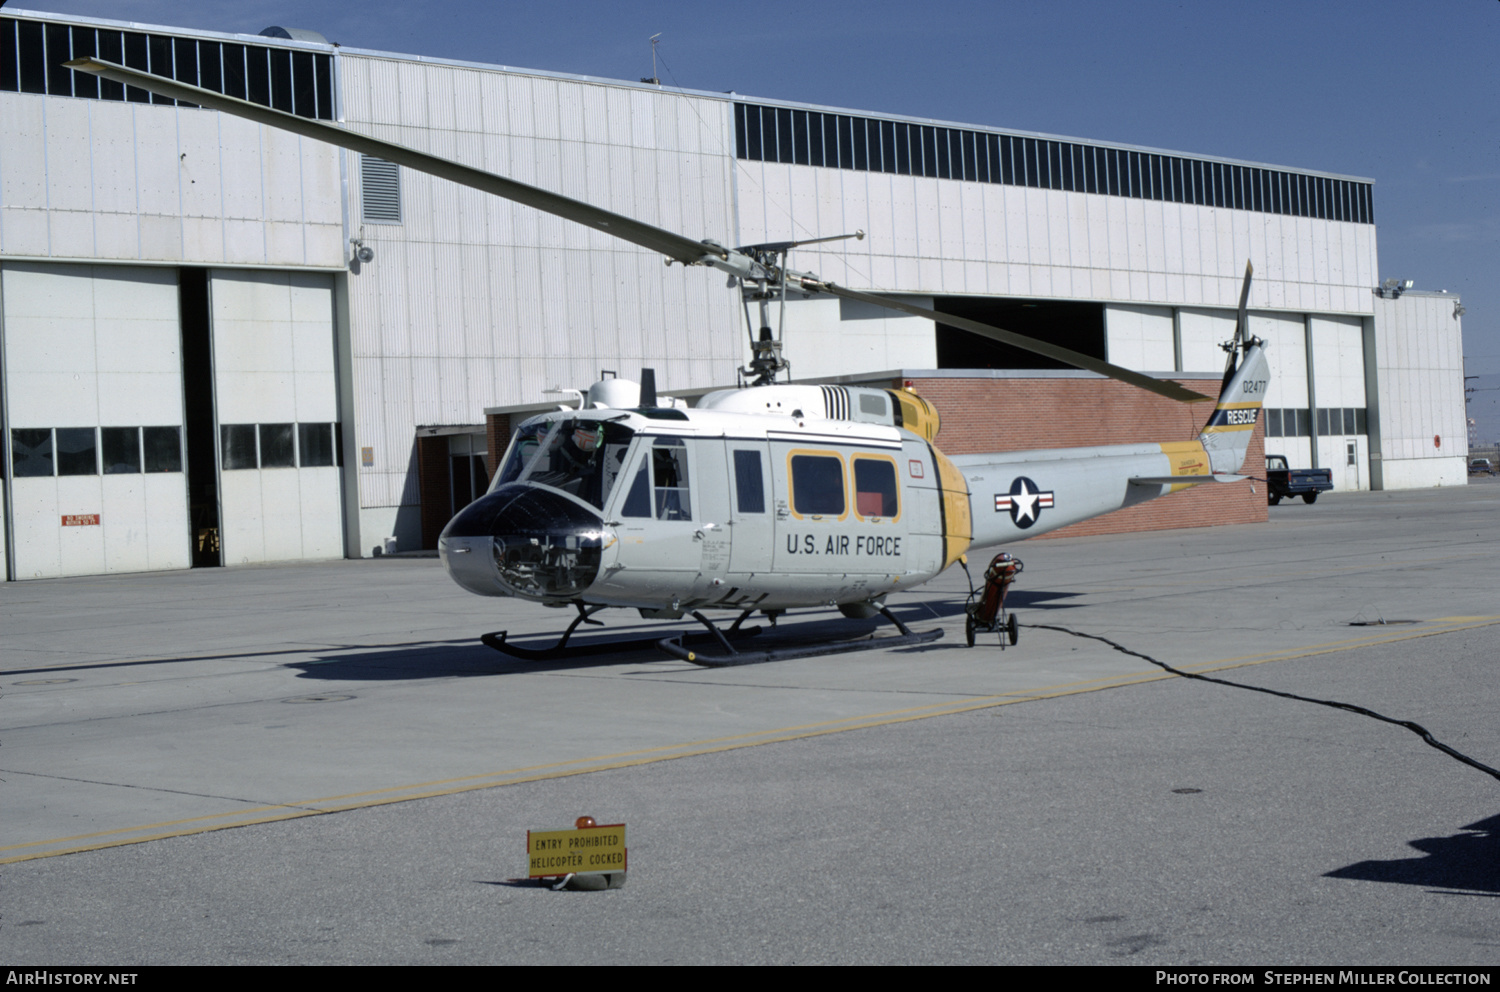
<point>1241,327</point>
<point>1242,324</point>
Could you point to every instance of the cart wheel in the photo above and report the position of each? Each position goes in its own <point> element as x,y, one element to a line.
<point>969,629</point>
<point>1012,630</point>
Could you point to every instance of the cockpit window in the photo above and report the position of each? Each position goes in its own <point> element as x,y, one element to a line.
<point>576,455</point>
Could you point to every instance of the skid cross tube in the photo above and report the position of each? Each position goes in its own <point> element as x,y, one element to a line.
<point>676,647</point>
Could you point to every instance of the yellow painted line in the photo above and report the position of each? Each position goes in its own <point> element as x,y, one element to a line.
<point>631,759</point>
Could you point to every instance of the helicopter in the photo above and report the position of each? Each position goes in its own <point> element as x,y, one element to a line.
<point>771,495</point>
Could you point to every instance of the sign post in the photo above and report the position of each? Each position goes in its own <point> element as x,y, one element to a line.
<point>589,849</point>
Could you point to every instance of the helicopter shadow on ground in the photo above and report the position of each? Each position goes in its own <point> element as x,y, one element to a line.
<point>636,645</point>
<point>631,644</point>
<point>474,660</point>
<point>1466,863</point>
<point>1017,599</point>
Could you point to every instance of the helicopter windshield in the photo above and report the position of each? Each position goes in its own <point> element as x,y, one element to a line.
<point>580,457</point>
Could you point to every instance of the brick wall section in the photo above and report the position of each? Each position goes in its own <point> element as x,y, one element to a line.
<point>434,488</point>
<point>982,415</point>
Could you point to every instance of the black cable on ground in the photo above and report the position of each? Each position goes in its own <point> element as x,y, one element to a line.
<point>1415,728</point>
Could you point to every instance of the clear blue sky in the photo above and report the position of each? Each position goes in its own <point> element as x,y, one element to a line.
<point>1403,93</point>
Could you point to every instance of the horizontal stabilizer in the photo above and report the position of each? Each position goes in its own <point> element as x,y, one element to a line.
<point>1183,480</point>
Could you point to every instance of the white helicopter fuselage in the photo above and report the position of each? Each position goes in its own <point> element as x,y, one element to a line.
<point>775,497</point>
<point>694,509</point>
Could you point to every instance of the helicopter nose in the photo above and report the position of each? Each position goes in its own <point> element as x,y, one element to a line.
<point>526,541</point>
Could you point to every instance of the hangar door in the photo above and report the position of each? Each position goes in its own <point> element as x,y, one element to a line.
<point>93,419</point>
<point>276,400</point>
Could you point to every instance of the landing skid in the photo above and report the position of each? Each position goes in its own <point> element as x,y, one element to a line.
<point>676,647</point>
<point>496,640</point>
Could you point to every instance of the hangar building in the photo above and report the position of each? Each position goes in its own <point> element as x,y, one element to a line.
<point>198,368</point>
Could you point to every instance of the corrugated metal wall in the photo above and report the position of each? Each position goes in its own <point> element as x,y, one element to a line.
<point>1419,368</point>
<point>138,182</point>
<point>937,236</point>
<point>475,302</point>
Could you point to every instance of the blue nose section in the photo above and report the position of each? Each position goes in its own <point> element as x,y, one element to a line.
<point>524,541</point>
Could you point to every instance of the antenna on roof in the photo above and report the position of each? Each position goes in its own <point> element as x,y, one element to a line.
<point>655,39</point>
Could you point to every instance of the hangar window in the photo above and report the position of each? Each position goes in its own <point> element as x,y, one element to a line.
<point>1288,422</point>
<point>235,80</point>
<point>846,142</point>
<point>929,152</point>
<point>244,446</point>
<point>277,449</point>
<point>831,140</point>
<point>903,149</point>
<point>315,445</point>
<point>779,134</point>
<point>210,62</point>
<point>163,448</point>
<point>77,451</point>
<point>238,446</point>
<point>32,54</point>
<point>30,452</point>
<point>122,450</point>
<point>38,451</point>
<point>818,485</point>
<point>815,139</point>
<point>380,189</point>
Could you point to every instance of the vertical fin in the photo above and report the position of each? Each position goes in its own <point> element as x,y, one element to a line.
<point>1226,436</point>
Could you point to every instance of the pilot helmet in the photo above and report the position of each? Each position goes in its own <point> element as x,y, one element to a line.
<point>588,436</point>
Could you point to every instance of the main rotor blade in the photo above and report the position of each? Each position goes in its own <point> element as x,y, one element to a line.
<point>1162,387</point>
<point>672,245</point>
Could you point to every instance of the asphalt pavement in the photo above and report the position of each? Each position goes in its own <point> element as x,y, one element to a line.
<point>319,763</point>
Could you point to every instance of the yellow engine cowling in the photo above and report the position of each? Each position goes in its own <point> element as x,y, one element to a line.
<point>915,414</point>
<point>958,527</point>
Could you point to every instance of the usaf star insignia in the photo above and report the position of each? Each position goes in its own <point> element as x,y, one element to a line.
<point>1025,501</point>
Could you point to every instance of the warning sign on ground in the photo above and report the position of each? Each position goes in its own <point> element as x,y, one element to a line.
<point>581,852</point>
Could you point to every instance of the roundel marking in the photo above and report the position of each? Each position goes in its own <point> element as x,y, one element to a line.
<point>1025,501</point>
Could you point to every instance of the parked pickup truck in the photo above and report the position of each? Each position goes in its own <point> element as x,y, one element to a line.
<point>1305,482</point>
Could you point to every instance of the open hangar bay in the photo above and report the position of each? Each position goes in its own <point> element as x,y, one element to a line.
<point>1055,803</point>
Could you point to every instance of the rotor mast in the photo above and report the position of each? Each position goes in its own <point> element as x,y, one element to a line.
<point>767,282</point>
